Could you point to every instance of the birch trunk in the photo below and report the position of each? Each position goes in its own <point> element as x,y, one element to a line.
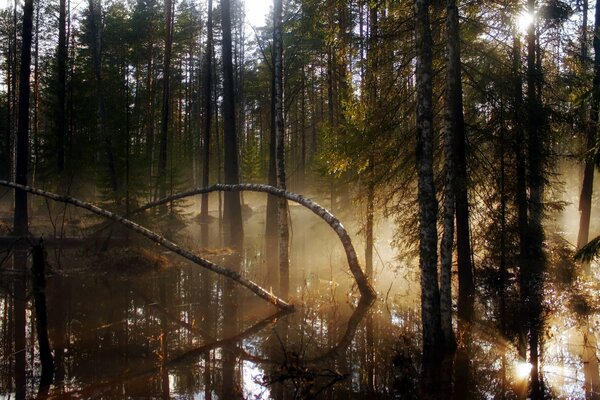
<point>430,295</point>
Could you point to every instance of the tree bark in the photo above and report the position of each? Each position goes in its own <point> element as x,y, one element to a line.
<point>164,123</point>
<point>208,54</point>
<point>282,206</point>
<point>430,295</point>
<point>232,213</point>
<point>466,285</point>
<point>20,226</point>
<point>585,200</point>
<point>453,119</point>
<point>61,64</point>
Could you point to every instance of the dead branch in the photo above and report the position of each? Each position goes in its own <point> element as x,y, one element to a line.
<point>365,288</point>
<point>253,287</point>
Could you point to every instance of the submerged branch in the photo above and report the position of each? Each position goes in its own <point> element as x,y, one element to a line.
<point>253,287</point>
<point>361,280</point>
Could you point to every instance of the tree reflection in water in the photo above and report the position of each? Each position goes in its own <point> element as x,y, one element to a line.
<point>173,333</point>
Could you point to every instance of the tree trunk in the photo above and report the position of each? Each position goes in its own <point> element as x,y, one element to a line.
<point>61,63</point>
<point>271,238</point>
<point>94,26</point>
<point>430,295</point>
<point>361,279</point>
<point>453,119</point>
<point>232,213</point>
<point>466,286</point>
<point>585,200</point>
<point>536,191</point>
<point>282,207</point>
<point>164,123</point>
<point>20,226</point>
<point>207,121</point>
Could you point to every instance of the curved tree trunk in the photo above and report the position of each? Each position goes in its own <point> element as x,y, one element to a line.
<point>236,276</point>
<point>361,279</point>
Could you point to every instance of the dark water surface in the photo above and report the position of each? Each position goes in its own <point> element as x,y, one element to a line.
<point>135,322</point>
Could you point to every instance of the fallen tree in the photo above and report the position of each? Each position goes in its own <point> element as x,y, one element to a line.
<point>361,280</point>
<point>237,277</point>
<point>364,287</point>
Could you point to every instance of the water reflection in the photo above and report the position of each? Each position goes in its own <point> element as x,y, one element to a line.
<point>167,329</point>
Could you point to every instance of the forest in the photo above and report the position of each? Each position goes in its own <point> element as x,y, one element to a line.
<point>346,199</point>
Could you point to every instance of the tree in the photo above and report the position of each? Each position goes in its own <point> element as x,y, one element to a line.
<point>591,128</point>
<point>430,295</point>
<point>61,64</point>
<point>208,55</point>
<point>95,15</point>
<point>164,124</point>
<point>282,209</point>
<point>232,212</point>
<point>21,220</point>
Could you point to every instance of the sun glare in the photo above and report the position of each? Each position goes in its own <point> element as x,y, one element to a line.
<point>522,370</point>
<point>524,21</point>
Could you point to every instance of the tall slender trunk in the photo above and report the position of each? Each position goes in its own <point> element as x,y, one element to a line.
<point>232,213</point>
<point>207,120</point>
<point>282,207</point>
<point>430,295</point>
<point>466,286</point>
<point>536,190</point>
<point>150,111</point>
<point>61,63</point>
<point>271,239</point>
<point>20,226</point>
<point>94,26</point>
<point>36,97</point>
<point>164,124</point>
<point>591,128</point>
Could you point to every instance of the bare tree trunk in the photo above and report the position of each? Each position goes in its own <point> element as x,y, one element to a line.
<point>536,190</point>
<point>430,295</point>
<point>232,208</point>
<point>466,285</point>
<point>21,220</point>
<point>271,238</point>
<point>94,26</point>
<point>361,279</point>
<point>36,97</point>
<point>591,127</point>
<point>164,124</point>
<point>282,209</point>
<point>61,63</point>
<point>207,121</point>
<point>150,111</point>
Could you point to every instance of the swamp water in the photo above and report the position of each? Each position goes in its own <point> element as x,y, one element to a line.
<point>151,325</point>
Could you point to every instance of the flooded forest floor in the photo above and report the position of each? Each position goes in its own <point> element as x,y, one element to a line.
<point>127,319</point>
